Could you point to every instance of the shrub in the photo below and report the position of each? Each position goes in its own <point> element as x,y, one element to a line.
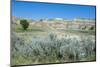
<point>50,49</point>
<point>92,28</point>
<point>24,24</point>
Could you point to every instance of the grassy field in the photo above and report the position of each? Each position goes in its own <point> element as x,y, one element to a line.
<point>38,45</point>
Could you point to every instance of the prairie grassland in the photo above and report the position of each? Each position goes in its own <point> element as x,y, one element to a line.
<point>27,48</point>
<point>44,44</point>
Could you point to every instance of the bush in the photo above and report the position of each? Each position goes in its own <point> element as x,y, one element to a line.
<point>50,49</point>
<point>24,24</point>
<point>92,28</point>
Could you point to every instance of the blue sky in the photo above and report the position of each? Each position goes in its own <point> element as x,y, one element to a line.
<point>35,10</point>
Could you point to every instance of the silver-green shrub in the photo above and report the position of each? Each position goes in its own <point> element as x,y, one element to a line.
<point>51,49</point>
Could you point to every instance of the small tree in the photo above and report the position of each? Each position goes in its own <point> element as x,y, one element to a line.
<point>92,28</point>
<point>24,23</point>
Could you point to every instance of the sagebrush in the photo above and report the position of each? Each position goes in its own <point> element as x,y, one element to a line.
<point>51,49</point>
